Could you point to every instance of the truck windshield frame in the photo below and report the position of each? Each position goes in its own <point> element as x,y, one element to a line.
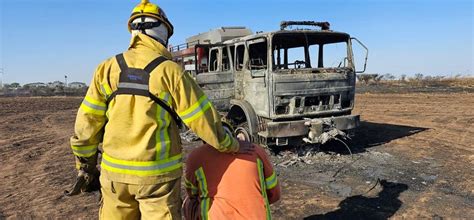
<point>285,45</point>
<point>257,56</point>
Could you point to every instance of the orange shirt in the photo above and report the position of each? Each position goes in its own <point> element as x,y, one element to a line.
<point>230,186</point>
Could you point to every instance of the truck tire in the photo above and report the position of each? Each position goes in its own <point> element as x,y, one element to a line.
<point>242,132</point>
<point>244,119</point>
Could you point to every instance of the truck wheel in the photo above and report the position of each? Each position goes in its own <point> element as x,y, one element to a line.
<point>242,132</point>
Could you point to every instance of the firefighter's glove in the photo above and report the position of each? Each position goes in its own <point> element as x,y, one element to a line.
<point>87,180</point>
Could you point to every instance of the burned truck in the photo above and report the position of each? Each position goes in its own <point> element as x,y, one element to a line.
<point>285,87</point>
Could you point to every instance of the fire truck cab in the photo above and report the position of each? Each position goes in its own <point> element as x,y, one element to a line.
<point>279,88</point>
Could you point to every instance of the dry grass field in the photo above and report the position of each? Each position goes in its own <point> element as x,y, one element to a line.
<point>413,157</point>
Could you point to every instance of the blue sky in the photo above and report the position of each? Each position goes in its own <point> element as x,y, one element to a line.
<point>44,40</point>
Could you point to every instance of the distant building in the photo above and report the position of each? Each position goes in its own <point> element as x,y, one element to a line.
<point>35,85</point>
<point>77,85</point>
<point>55,84</point>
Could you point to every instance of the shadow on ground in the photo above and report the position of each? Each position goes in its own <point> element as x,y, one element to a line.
<point>383,206</point>
<point>371,134</point>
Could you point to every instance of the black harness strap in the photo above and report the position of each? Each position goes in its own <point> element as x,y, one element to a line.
<point>121,62</point>
<point>155,63</point>
<point>127,91</point>
<point>173,113</point>
<point>134,81</point>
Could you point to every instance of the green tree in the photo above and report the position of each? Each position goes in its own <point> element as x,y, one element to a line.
<point>15,85</point>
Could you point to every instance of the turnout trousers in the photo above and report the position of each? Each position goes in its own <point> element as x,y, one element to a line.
<point>131,201</point>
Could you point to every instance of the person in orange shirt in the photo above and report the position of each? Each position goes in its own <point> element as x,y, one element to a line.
<point>229,186</point>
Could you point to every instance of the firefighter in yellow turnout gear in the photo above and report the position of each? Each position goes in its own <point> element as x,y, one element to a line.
<point>131,107</point>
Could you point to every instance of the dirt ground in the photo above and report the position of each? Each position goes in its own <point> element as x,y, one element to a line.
<point>413,157</point>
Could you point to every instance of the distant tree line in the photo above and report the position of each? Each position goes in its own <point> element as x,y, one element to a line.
<point>43,89</point>
<point>418,77</point>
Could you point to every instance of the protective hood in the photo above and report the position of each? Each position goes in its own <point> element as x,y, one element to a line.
<point>159,33</point>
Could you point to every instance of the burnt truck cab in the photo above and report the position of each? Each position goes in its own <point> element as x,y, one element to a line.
<point>285,87</point>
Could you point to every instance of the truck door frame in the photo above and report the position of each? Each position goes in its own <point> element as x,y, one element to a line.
<point>218,84</point>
